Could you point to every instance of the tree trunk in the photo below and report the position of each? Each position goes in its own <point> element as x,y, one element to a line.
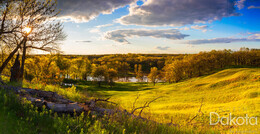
<point>10,56</point>
<point>23,59</point>
<point>15,70</point>
<point>99,83</point>
<point>64,108</point>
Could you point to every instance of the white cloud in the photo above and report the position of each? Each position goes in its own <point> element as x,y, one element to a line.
<point>121,35</point>
<point>252,38</point>
<point>105,25</point>
<point>94,30</point>
<point>85,10</point>
<point>240,4</point>
<point>185,28</point>
<point>178,12</point>
<point>83,41</point>
<point>203,27</point>
<point>97,28</point>
<point>162,48</point>
<point>253,7</point>
<point>255,36</point>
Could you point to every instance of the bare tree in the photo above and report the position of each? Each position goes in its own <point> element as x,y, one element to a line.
<point>37,29</point>
<point>6,11</point>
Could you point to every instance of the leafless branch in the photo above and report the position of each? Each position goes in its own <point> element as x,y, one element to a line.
<point>135,102</point>
<point>146,105</point>
<point>199,111</point>
<point>105,100</point>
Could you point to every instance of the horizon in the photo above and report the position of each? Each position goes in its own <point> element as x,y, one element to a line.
<point>140,53</point>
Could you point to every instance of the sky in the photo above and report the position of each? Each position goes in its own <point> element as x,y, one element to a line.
<point>158,26</point>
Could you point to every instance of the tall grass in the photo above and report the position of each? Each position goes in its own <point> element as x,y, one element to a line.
<point>20,116</point>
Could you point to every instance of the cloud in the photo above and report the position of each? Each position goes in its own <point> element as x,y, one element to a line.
<point>83,41</point>
<point>85,10</point>
<point>106,25</point>
<point>252,38</point>
<point>253,7</point>
<point>121,35</point>
<point>162,48</point>
<point>203,27</point>
<point>184,28</point>
<point>178,12</point>
<point>240,4</point>
<point>94,30</point>
<point>255,36</point>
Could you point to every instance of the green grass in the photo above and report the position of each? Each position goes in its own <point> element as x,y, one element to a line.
<point>20,116</point>
<point>231,90</point>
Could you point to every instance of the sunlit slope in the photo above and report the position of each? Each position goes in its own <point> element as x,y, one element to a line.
<point>236,90</point>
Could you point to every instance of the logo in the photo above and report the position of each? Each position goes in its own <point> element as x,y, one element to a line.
<point>232,120</point>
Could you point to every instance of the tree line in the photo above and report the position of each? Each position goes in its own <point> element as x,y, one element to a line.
<point>206,62</point>
<point>55,68</point>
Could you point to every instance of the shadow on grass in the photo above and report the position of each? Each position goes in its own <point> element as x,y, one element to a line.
<point>120,86</point>
<point>117,87</point>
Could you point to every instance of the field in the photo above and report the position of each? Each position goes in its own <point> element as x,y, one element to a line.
<point>183,107</point>
<point>235,91</point>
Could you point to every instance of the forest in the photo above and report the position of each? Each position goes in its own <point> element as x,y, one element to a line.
<point>56,68</point>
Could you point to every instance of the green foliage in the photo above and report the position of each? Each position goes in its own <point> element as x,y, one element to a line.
<point>62,63</point>
<point>52,69</point>
<point>139,72</point>
<point>42,69</point>
<point>111,75</point>
<point>207,62</point>
<point>80,68</point>
<point>99,73</point>
<point>153,76</point>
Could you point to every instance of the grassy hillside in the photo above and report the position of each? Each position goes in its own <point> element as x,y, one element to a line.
<point>235,91</point>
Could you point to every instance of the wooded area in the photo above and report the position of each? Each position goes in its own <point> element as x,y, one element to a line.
<point>53,69</point>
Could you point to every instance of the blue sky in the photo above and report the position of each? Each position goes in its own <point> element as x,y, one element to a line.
<point>162,26</point>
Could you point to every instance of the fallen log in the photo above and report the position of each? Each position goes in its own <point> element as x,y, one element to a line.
<point>36,102</point>
<point>46,95</point>
<point>58,104</point>
<point>51,100</point>
<point>64,108</point>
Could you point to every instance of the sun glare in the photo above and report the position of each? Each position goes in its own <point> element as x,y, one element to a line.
<point>27,30</point>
